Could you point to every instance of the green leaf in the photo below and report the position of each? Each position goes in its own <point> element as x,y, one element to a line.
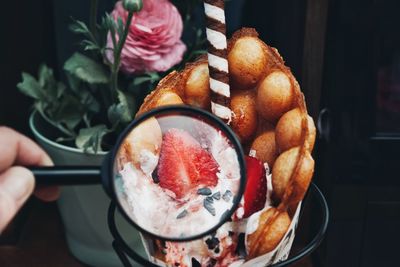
<point>90,46</point>
<point>94,106</point>
<point>86,69</point>
<point>82,91</point>
<point>109,22</point>
<point>46,76</point>
<point>127,100</point>
<point>69,112</point>
<point>60,89</point>
<point>30,87</point>
<point>103,30</point>
<point>155,76</point>
<point>120,27</point>
<point>115,113</point>
<point>90,139</point>
<point>48,83</point>
<point>39,107</point>
<point>148,77</point>
<point>123,111</point>
<point>141,80</point>
<point>79,27</point>
<point>68,132</point>
<point>89,101</point>
<point>110,26</point>
<point>74,82</point>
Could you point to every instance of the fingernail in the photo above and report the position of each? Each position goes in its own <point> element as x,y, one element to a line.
<point>46,161</point>
<point>18,183</point>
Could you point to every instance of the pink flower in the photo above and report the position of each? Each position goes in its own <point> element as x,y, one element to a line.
<point>153,42</point>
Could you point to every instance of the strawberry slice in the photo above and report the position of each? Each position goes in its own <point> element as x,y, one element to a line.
<point>255,194</point>
<point>184,166</point>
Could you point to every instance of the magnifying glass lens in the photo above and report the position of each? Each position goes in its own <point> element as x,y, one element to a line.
<point>177,175</point>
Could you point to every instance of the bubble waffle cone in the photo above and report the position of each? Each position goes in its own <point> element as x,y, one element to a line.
<point>269,116</point>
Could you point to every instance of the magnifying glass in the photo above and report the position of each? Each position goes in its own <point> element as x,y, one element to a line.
<point>177,173</point>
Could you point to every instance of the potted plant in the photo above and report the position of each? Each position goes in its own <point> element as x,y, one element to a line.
<point>78,118</point>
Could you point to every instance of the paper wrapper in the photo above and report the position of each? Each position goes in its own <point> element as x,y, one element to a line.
<point>282,250</point>
<point>280,253</point>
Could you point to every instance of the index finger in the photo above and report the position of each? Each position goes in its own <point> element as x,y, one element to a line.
<point>17,149</point>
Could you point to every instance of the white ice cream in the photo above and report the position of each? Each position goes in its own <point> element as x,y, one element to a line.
<point>148,161</point>
<point>156,210</point>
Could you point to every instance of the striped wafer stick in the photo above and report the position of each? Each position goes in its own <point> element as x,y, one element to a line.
<point>217,59</point>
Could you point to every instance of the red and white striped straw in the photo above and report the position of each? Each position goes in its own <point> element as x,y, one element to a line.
<point>217,59</point>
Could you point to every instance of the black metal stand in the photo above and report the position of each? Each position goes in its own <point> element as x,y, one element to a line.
<point>124,251</point>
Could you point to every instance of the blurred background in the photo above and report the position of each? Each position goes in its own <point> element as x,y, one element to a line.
<point>346,57</point>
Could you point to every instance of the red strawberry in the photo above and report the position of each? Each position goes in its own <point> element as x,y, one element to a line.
<point>256,188</point>
<point>184,166</point>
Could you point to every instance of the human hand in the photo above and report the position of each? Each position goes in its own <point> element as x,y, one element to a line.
<point>17,183</point>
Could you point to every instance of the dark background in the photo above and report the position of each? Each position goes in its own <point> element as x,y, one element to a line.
<point>27,36</point>
<point>346,57</point>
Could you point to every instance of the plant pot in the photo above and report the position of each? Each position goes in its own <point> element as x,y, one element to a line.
<point>83,209</point>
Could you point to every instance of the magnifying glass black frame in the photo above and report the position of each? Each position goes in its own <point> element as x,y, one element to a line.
<point>67,175</point>
<point>199,114</point>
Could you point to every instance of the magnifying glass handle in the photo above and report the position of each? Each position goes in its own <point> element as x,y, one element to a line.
<point>67,175</point>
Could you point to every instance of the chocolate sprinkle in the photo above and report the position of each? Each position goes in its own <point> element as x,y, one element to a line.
<point>212,243</point>
<point>204,191</point>
<point>217,250</point>
<point>227,195</point>
<point>241,247</point>
<point>195,263</point>
<point>155,176</point>
<point>217,196</point>
<point>182,214</point>
<point>208,205</point>
<point>212,263</point>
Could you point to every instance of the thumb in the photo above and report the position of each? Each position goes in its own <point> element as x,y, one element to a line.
<point>16,185</point>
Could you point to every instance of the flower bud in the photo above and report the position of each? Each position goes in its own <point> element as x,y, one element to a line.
<point>132,5</point>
